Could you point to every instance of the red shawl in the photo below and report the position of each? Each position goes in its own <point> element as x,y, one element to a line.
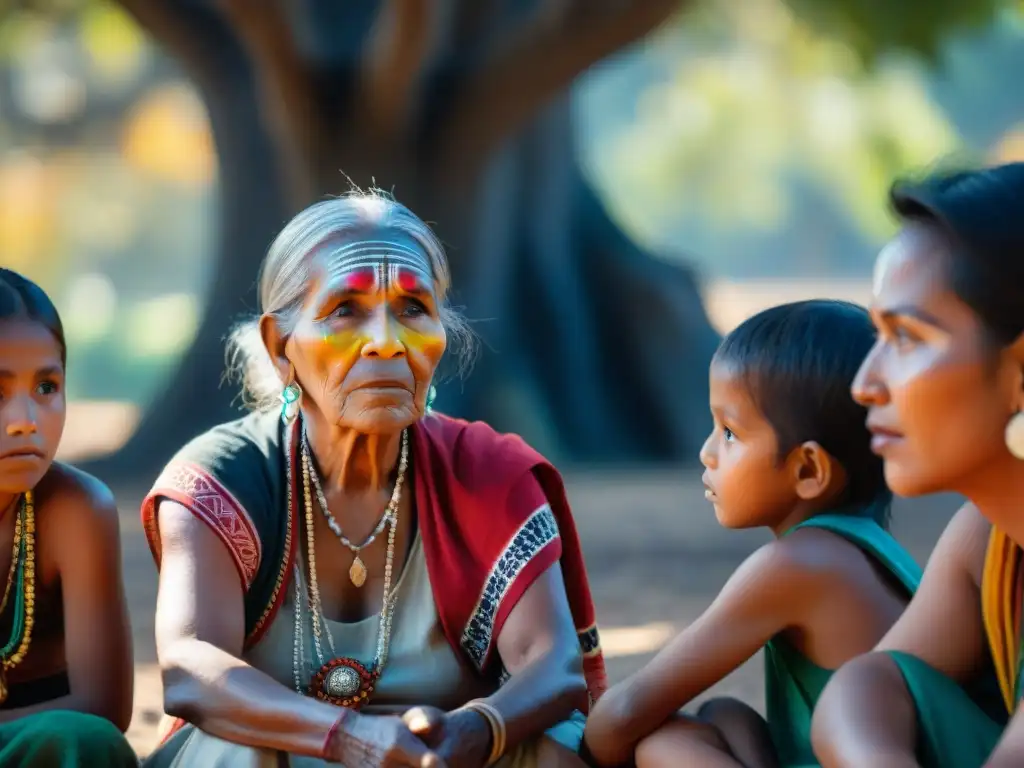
<point>483,553</point>
<point>483,545</point>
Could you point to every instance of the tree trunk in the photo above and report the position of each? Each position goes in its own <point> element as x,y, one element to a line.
<point>593,350</point>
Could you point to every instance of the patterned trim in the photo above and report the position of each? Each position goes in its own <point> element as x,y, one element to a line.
<point>210,501</point>
<point>539,530</point>
<point>590,643</point>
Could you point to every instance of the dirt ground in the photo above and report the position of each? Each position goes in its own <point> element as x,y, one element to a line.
<point>655,554</point>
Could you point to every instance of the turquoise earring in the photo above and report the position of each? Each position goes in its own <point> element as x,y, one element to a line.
<point>431,397</point>
<point>290,400</point>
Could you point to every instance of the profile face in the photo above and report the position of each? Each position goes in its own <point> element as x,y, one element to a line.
<point>32,403</point>
<point>938,392</point>
<point>369,335</point>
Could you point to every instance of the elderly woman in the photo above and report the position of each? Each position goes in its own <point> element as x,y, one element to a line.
<point>349,577</point>
<point>944,387</point>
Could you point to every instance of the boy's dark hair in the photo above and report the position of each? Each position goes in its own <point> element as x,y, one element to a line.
<point>981,213</point>
<point>797,361</point>
<point>21,299</point>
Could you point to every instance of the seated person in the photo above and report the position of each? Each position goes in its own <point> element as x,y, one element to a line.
<point>945,395</point>
<point>347,576</point>
<point>789,452</point>
<point>65,642</point>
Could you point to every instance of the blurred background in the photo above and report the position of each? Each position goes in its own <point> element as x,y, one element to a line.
<point>618,182</point>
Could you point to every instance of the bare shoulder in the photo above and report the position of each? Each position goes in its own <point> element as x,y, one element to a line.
<point>965,541</point>
<point>816,553</point>
<point>72,500</point>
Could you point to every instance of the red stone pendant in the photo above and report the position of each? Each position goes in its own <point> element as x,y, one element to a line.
<point>343,682</point>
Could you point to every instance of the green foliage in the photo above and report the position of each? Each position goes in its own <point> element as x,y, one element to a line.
<point>875,27</point>
<point>765,125</point>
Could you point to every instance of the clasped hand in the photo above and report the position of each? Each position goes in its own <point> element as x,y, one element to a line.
<point>424,737</point>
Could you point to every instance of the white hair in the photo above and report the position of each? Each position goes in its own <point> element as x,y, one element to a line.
<point>285,278</point>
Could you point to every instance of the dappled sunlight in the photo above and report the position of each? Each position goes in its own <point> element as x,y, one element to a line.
<point>634,641</point>
<point>96,428</point>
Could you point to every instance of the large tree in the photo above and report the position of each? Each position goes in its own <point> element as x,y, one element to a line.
<point>592,348</point>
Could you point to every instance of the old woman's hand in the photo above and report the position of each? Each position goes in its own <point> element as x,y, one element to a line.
<point>461,738</point>
<point>380,741</point>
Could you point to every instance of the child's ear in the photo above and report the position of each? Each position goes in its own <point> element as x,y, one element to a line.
<point>814,470</point>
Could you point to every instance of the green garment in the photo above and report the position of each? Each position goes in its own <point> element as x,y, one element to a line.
<point>792,683</point>
<point>64,739</point>
<point>953,731</point>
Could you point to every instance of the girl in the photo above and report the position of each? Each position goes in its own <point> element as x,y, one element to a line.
<point>65,643</point>
<point>789,451</point>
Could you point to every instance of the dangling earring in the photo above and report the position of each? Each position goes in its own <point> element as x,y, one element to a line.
<point>431,397</point>
<point>1014,435</point>
<point>291,397</point>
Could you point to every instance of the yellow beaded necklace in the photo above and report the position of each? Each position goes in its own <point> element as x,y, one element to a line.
<point>22,579</point>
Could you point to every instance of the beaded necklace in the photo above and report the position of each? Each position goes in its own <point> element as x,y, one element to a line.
<point>21,580</point>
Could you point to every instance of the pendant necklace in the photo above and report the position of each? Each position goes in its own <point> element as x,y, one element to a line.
<point>357,572</point>
<point>342,681</point>
<point>21,581</point>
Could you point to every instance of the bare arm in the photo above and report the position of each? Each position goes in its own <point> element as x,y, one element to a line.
<point>539,648</point>
<point>865,713</point>
<point>200,628</point>
<point>765,595</point>
<point>81,525</point>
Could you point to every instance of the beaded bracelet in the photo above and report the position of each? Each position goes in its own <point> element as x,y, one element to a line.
<point>497,725</point>
<point>326,751</point>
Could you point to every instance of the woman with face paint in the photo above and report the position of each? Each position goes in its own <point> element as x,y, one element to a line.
<point>65,641</point>
<point>944,388</point>
<point>346,576</point>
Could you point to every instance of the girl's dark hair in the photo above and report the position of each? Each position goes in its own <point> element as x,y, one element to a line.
<point>21,299</point>
<point>797,362</point>
<point>981,213</point>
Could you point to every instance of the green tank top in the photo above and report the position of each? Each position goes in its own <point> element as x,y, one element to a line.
<point>792,682</point>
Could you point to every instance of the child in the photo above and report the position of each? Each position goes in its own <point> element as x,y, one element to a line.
<point>65,642</point>
<point>790,452</point>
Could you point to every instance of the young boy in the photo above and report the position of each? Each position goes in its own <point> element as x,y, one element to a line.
<point>790,452</point>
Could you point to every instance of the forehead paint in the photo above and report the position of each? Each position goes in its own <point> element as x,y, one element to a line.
<point>387,258</point>
<point>361,280</point>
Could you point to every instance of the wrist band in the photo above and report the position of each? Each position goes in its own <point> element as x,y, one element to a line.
<point>326,751</point>
<point>497,725</point>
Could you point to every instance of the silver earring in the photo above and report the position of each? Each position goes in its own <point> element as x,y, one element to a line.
<point>291,397</point>
<point>1014,435</point>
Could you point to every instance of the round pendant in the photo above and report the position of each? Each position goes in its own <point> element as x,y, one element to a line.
<point>343,682</point>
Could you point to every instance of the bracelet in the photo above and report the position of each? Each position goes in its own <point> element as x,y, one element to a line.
<point>326,751</point>
<point>497,725</point>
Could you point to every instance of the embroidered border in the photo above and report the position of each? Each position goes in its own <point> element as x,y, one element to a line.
<point>215,505</point>
<point>539,530</point>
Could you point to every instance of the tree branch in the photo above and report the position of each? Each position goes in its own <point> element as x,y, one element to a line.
<point>543,57</point>
<point>191,34</point>
<point>287,89</point>
<point>404,41</point>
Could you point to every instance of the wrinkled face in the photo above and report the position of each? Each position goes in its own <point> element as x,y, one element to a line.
<point>938,394</point>
<point>744,480</point>
<point>369,335</point>
<point>32,406</point>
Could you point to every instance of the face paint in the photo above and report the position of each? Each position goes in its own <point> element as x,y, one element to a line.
<point>374,316</point>
<point>393,269</point>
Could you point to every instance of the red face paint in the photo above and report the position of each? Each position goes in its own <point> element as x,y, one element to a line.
<point>362,280</point>
<point>409,281</point>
